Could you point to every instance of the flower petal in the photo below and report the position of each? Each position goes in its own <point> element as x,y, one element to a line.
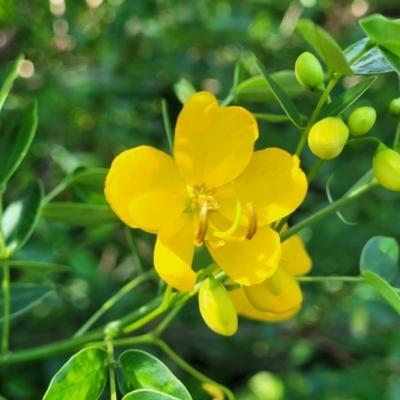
<point>249,262</point>
<point>213,144</point>
<point>272,182</point>
<point>148,172</point>
<point>245,309</point>
<point>173,253</point>
<point>295,259</point>
<point>278,294</point>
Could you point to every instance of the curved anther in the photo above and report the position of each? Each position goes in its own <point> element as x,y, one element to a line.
<point>252,216</point>
<point>201,233</point>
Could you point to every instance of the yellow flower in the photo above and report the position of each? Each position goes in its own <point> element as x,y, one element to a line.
<point>279,297</point>
<point>215,191</point>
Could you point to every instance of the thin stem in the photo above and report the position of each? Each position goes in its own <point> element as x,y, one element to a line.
<point>148,338</point>
<point>167,125</point>
<point>397,135</point>
<point>167,320</point>
<point>314,170</point>
<point>111,302</point>
<point>354,279</point>
<point>189,369</point>
<point>58,189</point>
<point>365,139</point>
<point>353,194</point>
<point>111,369</point>
<point>228,99</point>
<point>6,309</point>
<point>2,241</point>
<point>133,248</point>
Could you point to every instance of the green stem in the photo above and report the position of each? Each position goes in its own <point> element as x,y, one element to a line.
<point>228,99</point>
<point>354,279</point>
<point>357,190</point>
<point>147,338</point>
<point>133,248</point>
<point>6,309</point>
<point>189,369</point>
<point>167,320</point>
<point>111,302</point>
<point>58,189</point>
<point>2,241</point>
<point>397,135</point>
<point>111,369</point>
<point>365,139</point>
<point>311,175</point>
<point>167,125</point>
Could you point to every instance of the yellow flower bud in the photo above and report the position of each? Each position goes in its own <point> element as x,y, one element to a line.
<point>216,308</point>
<point>309,72</point>
<point>328,137</point>
<point>386,166</point>
<point>394,107</point>
<point>361,120</point>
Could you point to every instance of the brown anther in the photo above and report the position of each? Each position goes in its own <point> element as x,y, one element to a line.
<point>252,216</point>
<point>201,233</point>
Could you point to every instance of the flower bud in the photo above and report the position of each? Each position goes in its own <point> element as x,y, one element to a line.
<point>394,107</point>
<point>361,120</point>
<point>216,308</point>
<point>309,72</point>
<point>386,166</point>
<point>328,137</point>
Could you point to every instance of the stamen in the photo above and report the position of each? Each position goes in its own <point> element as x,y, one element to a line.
<point>215,246</point>
<point>252,216</point>
<point>201,234</point>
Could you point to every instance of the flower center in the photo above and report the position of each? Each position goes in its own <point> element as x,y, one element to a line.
<point>204,196</point>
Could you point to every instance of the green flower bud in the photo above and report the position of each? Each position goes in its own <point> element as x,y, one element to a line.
<point>361,120</point>
<point>394,107</point>
<point>216,308</point>
<point>309,72</point>
<point>386,166</point>
<point>328,137</point>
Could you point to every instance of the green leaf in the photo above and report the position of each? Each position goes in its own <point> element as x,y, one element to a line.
<point>84,376</point>
<point>184,89</point>
<point>91,178</point>
<point>383,288</point>
<point>8,82</point>
<point>382,32</point>
<point>140,370</point>
<point>23,297</point>
<point>372,62</point>
<point>15,141</point>
<point>146,394</point>
<point>271,117</point>
<point>391,58</point>
<point>34,265</point>
<point>80,214</point>
<point>325,46</point>
<point>257,89</point>
<point>346,99</point>
<point>283,99</point>
<point>20,217</point>
<point>380,255</point>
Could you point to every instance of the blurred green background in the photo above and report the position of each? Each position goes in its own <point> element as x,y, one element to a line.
<point>99,69</point>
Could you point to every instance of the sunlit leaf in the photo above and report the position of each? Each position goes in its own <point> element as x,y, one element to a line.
<point>23,297</point>
<point>380,255</point>
<point>80,214</point>
<point>383,288</point>
<point>20,217</point>
<point>15,141</point>
<point>346,99</point>
<point>84,376</point>
<point>148,394</point>
<point>184,89</point>
<point>140,370</point>
<point>8,82</point>
<point>325,46</point>
<point>283,99</point>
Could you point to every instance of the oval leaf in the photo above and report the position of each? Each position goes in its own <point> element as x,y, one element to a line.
<point>15,141</point>
<point>146,394</point>
<point>140,370</point>
<point>35,265</point>
<point>391,58</point>
<point>283,99</point>
<point>84,376</point>
<point>184,89</point>
<point>383,32</point>
<point>380,255</point>
<point>383,288</point>
<point>257,89</point>
<point>20,217</point>
<point>325,46</point>
<point>346,99</point>
<point>23,297</point>
<point>80,214</point>
<point>91,178</point>
<point>8,82</point>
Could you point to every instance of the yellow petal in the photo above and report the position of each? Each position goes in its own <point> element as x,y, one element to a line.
<point>245,309</point>
<point>295,258</point>
<point>173,253</point>
<point>278,294</point>
<point>144,188</point>
<point>273,182</point>
<point>213,144</point>
<point>250,261</point>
